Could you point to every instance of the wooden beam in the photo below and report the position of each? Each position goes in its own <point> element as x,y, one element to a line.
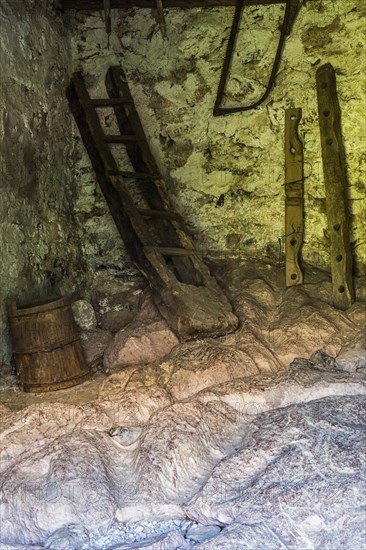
<point>294,191</point>
<point>335,180</point>
<point>123,4</point>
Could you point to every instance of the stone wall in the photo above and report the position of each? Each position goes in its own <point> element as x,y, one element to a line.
<point>226,174</point>
<point>38,240</point>
<point>102,246</point>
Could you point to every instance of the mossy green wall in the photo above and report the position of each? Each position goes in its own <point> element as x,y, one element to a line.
<point>226,174</point>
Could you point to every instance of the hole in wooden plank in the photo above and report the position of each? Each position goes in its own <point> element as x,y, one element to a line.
<point>293,117</point>
<point>326,113</point>
<point>293,276</point>
<point>337,227</point>
<point>329,141</point>
<point>339,258</point>
<point>293,242</point>
<point>184,270</point>
<point>341,289</point>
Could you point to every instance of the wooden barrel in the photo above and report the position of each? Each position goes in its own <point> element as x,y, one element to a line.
<point>47,346</point>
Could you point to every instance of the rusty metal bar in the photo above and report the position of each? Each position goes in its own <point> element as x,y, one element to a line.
<point>288,19</point>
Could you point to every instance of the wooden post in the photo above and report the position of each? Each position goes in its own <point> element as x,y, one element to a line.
<point>335,180</point>
<point>294,190</point>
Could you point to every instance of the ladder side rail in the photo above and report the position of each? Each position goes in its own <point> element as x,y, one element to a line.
<point>190,311</point>
<point>139,154</point>
<point>174,234</point>
<point>129,222</point>
<point>129,121</point>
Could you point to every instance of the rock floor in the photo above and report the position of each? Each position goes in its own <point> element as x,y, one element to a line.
<point>252,440</point>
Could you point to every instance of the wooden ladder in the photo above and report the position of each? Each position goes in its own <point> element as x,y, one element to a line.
<point>154,235</point>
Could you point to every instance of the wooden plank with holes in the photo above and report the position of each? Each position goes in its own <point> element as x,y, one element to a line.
<point>294,191</point>
<point>335,180</point>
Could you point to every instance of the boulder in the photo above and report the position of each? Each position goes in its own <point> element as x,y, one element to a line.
<point>94,344</point>
<point>116,301</point>
<point>139,344</point>
<point>199,365</point>
<point>351,360</point>
<point>84,315</point>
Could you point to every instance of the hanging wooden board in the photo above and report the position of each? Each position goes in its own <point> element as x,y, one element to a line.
<point>294,191</point>
<point>335,180</point>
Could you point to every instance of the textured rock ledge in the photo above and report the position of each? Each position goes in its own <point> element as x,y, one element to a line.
<point>113,473</point>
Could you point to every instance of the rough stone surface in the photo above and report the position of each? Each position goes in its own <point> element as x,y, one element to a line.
<point>84,315</point>
<point>94,343</point>
<point>351,360</point>
<point>38,233</point>
<point>116,301</point>
<point>277,326</point>
<point>298,472</point>
<point>198,365</point>
<point>220,444</point>
<point>35,426</point>
<point>132,484</point>
<point>230,169</point>
<point>139,344</point>
<point>280,324</point>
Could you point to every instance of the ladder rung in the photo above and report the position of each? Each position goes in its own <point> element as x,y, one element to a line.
<point>120,138</point>
<point>159,214</point>
<point>109,102</point>
<point>166,251</point>
<point>136,175</point>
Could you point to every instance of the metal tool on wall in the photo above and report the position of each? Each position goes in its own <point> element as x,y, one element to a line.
<point>335,180</point>
<point>291,10</point>
<point>107,17</point>
<point>294,191</point>
<point>161,18</point>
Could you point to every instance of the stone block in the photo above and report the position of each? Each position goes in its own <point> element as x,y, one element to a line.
<point>139,344</point>
<point>94,344</point>
<point>117,302</point>
<point>84,315</point>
